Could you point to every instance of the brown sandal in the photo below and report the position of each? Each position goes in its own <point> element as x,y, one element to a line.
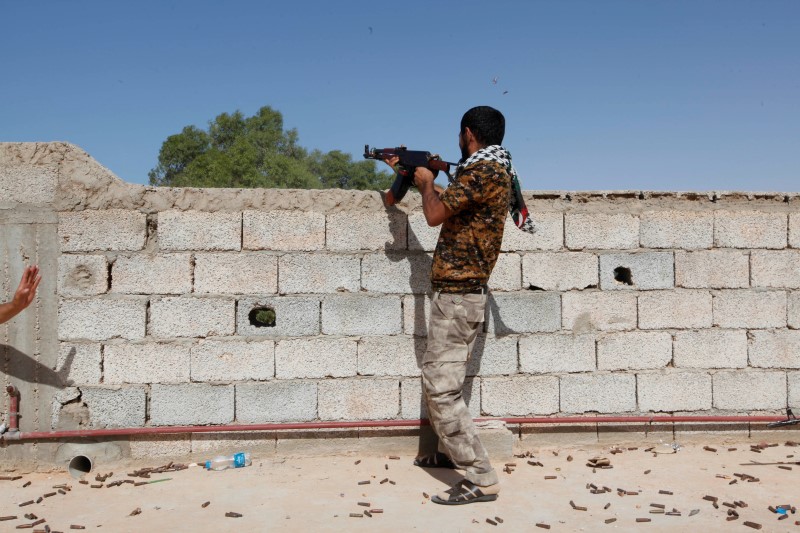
<point>436,460</point>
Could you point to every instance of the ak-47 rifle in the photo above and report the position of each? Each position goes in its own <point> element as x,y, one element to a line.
<point>409,160</point>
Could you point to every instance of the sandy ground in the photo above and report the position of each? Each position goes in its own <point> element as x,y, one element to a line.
<point>319,494</point>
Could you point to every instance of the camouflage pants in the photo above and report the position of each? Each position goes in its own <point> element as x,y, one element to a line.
<point>454,324</point>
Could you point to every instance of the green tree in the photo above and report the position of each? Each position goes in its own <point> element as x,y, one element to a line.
<point>239,151</point>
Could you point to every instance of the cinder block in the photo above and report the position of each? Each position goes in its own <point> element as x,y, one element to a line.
<point>524,312</point>
<point>214,360</point>
<point>349,231</point>
<point>82,275</point>
<point>235,273</point>
<point>416,315</point>
<point>316,358</point>
<point>779,269</point>
<point>361,315</point>
<point>688,230</point>
<point>283,230</point>
<point>598,393</point>
<point>152,274</point>
<point>359,399</point>
<point>121,318</point>
<point>554,353</point>
<point>601,231</point>
<point>639,271</point>
<point>199,230</point>
<point>396,272</point>
<point>390,356</point>
<point>794,310</point>
<point>146,363</point>
<point>493,356</point>
<point>606,311</point>
<point>318,273</point>
<point>191,317</point>
<point>794,387</point>
<point>672,390</point>
<point>115,407</point>
<point>191,404</point>
<point>635,350</point>
<point>549,233</point>
<point>421,236</point>
<point>79,364</point>
<point>561,271</point>
<point>775,349</point>
<point>750,390</point>
<point>276,401</point>
<point>27,183</point>
<point>109,229</point>
<point>519,395</point>
<point>163,446</point>
<point>295,316</point>
<point>712,269</point>
<point>794,230</point>
<point>507,273</point>
<point>711,348</point>
<point>750,229</point>
<point>413,404</point>
<point>750,309</point>
<point>680,309</point>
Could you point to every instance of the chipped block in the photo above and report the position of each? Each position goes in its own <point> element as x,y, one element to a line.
<point>750,309</point>
<point>493,356</point>
<point>191,317</point>
<point>507,273</point>
<point>318,273</point>
<point>316,358</point>
<point>191,404</point>
<point>794,310</point>
<point>283,230</point>
<point>361,315</point>
<point>79,364</point>
<point>359,399</point>
<point>390,356</point>
<point>779,269</point>
<point>235,273</point>
<point>523,312</point>
<point>115,407</point>
<point>152,274</point>
<point>775,349</point>
<point>559,271</point>
<point>416,315</point>
<point>750,390</point>
<point>121,318</point>
<point>712,269</point>
<point>688,230</point>
<point>674,390</point>
<point>199,230</point>
<point>601,231</point>
<point>554,353</point>
<point>109,229</point>
<point>149,362</point>
<point>396,272</point>
<point>598,393</point>
<point>519,395</point>
<point>82,275</point>
<point>421,236</point>
<point>711,348</point>
<point>750,229</point>
<point>364,230</point>
<point>226,360</point>
<point>638,271</point>
<point>679,309</point>
<point>413,405</point>
<point>595,310</point>
<point>634,350</point>
<point>549,233</point>
<point>276,401</point>
<point>295,316</point>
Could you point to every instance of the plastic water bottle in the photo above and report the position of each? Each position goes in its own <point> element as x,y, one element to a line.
<point>237,460</point>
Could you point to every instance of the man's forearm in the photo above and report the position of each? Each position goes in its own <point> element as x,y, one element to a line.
<point>433,208</point>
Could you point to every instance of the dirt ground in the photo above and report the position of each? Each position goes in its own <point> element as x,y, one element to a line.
<point>320,493</point>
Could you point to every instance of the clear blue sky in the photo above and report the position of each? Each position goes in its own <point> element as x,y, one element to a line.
<point>616,94</point>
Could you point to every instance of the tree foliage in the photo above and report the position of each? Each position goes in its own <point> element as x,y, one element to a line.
<point>239,151</point>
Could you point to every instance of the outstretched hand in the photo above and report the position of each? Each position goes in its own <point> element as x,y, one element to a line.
<point>26,291</point>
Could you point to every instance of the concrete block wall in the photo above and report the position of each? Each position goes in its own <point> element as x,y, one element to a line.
<point>620,303</point>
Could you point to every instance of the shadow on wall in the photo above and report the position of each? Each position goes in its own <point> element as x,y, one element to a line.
<point>23,367</point>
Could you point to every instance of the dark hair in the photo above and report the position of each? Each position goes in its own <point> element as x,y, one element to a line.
<point>486,123</point>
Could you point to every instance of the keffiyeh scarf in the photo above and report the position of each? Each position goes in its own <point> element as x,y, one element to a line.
<point>516,206</point>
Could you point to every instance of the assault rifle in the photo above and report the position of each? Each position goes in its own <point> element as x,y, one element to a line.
<point>409,161</point>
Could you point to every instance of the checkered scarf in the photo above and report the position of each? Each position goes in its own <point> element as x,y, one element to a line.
<point>516,206</point>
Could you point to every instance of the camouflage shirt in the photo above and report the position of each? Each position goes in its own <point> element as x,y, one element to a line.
<point>470,239</point>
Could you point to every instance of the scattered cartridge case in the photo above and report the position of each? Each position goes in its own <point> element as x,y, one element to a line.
<point>551,477</point>
<point>206,504</point>
<point>231,514</point>
<point>394,457</point>
<point>136,511</point>
<point>709,449</point>
<point>642,519</point>
<point>490,521</point>
<point>667,492</point>
<point>29,502</point>
<point>26,484</point>
<point>606,506</point>
<point>366,482</point>
<point>75,526</point>
<point>658,505</point>
<point>754,525</point>
<point>376,511</point>
<point>365,504</point>
<point>384,480</point>
<point>543,525</point>
<point>10,517</point>
<point>610,520</point>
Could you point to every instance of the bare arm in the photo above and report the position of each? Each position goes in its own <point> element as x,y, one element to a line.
<point>25,294</point>
<point>433,208</point>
